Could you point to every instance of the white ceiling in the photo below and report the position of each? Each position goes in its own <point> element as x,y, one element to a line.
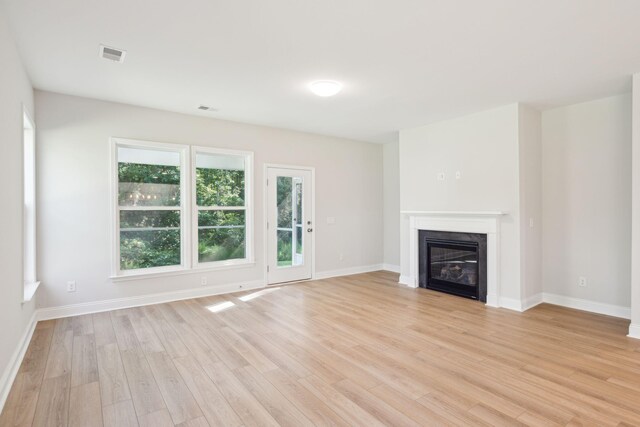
<point>404,63</point>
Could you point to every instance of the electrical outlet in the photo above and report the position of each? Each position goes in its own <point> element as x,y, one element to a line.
<point>458,175</point>
<point>531,222</point>
<point>331,220</point>
<point>441,176</point>
<point>203,281</point>
<point>341,257</point>
<point>582,282</point>
<point>71,286</point>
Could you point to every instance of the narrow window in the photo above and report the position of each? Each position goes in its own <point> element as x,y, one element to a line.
<point>222,212</point>
<point>150,207</point>
<point>29,209</point>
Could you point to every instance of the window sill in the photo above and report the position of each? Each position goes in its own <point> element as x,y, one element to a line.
<point>29,291</point>
<point>181,271</point>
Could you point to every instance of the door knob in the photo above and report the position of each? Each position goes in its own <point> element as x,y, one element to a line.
<point>309,230</point>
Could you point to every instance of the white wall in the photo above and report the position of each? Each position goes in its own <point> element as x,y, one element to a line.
<point>391,201</point>
<point>529,125</point>
<point>634,328</point>
<point>484,148</point>
<point>586,191</point>
<point>15,91</point>
<point>74,223</point>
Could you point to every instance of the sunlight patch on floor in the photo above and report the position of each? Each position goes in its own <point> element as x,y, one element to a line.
<point>257,294</point>
<point>217,308</point>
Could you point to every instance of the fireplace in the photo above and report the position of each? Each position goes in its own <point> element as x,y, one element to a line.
<point>454,263</point>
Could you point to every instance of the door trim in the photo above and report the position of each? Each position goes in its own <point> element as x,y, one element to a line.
<point>265,200</point>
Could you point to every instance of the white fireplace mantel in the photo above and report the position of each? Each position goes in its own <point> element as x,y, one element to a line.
<point>483,222</point>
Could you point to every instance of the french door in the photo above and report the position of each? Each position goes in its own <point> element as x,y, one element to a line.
<point>289,224</point>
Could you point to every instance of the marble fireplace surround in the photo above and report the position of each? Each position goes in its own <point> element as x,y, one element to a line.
<point>483,222</point>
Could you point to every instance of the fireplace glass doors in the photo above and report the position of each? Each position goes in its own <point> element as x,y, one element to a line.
<point>454,263</point>
<point>453,267</point>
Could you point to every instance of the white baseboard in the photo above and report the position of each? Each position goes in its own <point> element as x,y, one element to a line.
<point>492,301</point>
<point>391,267</point>
<point>137,301</point>
<point>634,331</point>
<point>511,303</point>
<point>587,305</point>
<point>11,371</point>
<point>348,271</point>
<point>408,281</point>
<point>532,301</point>
<point>564,301</point>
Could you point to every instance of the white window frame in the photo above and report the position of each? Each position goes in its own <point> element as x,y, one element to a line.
<point>184,207</point>
<point>29,186</point>
<point>248,208</point>
<point>188,211</point>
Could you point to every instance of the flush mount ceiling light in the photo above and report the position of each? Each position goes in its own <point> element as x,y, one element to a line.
<point>325,88</point>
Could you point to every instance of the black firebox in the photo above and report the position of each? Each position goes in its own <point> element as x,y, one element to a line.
<point>454,263</point>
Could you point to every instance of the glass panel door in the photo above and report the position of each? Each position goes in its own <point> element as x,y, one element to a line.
<point>288,224</point>
<point>298,247</point>
<point>289,230</point>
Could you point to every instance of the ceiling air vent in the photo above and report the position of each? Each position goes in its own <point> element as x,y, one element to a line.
<point>112,54</point>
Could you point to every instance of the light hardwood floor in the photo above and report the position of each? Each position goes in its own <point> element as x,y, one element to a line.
<point>358,350</point>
